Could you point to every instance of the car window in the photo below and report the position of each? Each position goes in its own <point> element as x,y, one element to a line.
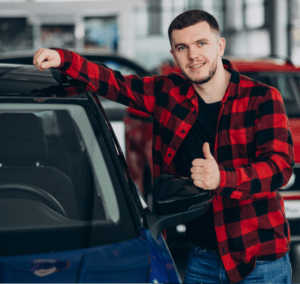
<point>54,148</point>
<point>265,79</point>
<point>125,70</point>
<point>284,88</point>
<point>278,81</point>
<point>297,81</point>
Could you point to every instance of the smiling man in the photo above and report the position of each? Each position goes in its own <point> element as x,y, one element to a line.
<point>199,57</point>
<point>226,132</point>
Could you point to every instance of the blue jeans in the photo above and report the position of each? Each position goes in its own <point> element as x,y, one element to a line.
<point>205,266</point>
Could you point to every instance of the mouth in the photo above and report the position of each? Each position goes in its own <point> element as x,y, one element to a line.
<point>197,66</point>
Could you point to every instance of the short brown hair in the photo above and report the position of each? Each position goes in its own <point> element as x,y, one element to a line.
<point>190,18</point>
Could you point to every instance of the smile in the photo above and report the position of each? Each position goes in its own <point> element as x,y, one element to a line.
<point>197,66</point>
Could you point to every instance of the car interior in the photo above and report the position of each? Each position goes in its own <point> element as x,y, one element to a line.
<point>43,154</point>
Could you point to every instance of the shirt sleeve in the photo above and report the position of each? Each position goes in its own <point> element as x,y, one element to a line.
<point>274,155</point>
<point>133,91</point>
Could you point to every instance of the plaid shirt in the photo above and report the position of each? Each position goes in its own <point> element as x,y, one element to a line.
<point>253,148</point>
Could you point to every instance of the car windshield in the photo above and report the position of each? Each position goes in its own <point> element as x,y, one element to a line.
<point>52,165</point>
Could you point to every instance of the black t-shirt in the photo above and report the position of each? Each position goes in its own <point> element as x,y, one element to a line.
<point>200,232</point>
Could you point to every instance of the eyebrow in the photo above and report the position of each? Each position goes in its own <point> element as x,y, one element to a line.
<point>199,40</point>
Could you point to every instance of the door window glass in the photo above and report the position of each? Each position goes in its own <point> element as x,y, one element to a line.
<point>53,159</point>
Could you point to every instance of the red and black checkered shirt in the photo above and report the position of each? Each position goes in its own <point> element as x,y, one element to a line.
<point>253,149</point>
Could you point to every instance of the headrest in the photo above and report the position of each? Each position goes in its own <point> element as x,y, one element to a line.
<point>22,139</point>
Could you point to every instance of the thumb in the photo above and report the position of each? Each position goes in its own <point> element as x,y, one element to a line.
<point>206,151</point>
<point>52,62</point>
<point>46,65</point>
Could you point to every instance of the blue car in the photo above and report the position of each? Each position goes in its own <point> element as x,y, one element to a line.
<point>69,211</point>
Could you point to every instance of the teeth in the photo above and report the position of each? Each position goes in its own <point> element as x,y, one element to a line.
<point>198,65</point>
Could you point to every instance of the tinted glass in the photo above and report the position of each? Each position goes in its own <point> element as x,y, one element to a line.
<point>285,89</point>
<point>124,69</point>
<point>53,166</point>
<point>297,81</point>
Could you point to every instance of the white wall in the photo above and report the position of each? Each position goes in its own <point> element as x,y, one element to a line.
<point>252,43</point>
<point>152,51</point>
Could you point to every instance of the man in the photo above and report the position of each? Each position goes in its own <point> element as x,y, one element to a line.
<point>227,132</point>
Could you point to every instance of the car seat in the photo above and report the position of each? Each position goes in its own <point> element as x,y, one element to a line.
<point>23,160</point>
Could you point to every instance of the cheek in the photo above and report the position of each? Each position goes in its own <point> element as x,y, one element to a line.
<point>180,60</point>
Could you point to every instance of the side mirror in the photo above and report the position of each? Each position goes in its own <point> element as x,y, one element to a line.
<point>176,200</point>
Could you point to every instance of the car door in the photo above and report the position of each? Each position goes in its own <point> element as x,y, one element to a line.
<point>96,238</point>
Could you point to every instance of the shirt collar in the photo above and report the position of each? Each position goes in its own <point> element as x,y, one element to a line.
<point>232,90</point>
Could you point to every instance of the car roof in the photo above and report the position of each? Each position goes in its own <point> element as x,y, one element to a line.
<point>26,57</point>
<point>247,65</point>
<point>21,80</point>
<point>263,65</point>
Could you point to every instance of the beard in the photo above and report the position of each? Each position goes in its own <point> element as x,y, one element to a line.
<point>205,79</point>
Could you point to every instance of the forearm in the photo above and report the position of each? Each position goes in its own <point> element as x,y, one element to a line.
<point>131,90</point>
<point>257,179</point>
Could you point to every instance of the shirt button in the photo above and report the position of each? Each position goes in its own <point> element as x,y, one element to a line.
<point>182,131</point>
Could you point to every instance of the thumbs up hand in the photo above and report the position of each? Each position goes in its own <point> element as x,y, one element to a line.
<point>205,172</point>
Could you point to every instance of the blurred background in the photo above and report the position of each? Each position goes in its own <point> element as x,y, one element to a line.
<point>137,29</point>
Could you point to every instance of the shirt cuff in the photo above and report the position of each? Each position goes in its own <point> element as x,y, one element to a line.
<point>228,181</point>
<point>65,58</point>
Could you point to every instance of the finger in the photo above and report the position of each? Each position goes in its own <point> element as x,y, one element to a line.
<point>206,151</point>
<point>197,170</point>
<point>198,162</point>
<point>46,64</point>
<point>197,177</point>
<point>37,59</point>
<point>38,62</point>
<point>43,59</point>
<point>200,184</point>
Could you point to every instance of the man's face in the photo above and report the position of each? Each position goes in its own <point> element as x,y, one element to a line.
<point>196,49</point>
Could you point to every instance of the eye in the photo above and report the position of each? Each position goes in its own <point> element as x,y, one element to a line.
<point>181,48</point>
<point>202,43</point>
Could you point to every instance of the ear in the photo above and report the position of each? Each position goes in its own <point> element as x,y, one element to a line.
<point>221,46</point>
<point>172,52</point>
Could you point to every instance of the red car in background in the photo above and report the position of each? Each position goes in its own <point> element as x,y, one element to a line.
<point>281,74</point>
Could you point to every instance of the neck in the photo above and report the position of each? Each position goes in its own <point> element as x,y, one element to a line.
<point>214,90</point>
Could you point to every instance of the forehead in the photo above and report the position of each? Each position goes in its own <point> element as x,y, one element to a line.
<point>189,34</point>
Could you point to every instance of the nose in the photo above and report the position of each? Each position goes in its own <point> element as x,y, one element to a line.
<point>193,53</point>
